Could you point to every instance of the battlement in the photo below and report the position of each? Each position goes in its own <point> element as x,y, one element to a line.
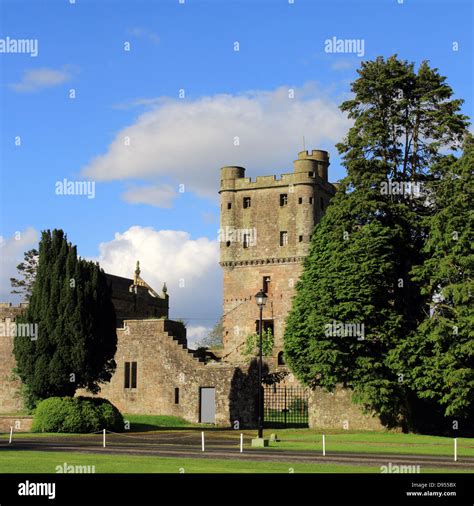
<point>316,154</point>
<point>9,311</point>
<point>311,168</point>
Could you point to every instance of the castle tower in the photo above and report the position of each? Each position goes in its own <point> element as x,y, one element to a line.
<point>266,227</point>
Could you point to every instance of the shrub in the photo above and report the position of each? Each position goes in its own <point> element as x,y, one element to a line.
<point>76,414</point>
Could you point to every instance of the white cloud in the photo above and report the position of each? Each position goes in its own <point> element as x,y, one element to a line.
<point>187,141</point>
<point>157,195</point>
<point>196,333</point>
<point>35,80</point>
<point>11,254</point>
<point>190,268</point>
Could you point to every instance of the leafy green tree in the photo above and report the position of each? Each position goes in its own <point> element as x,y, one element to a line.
<point>438,361</point>
<point>27,270</point>
<point>364,248</point>
<point>252,343</point>
<point>213,338</point>
<point>76,339</point>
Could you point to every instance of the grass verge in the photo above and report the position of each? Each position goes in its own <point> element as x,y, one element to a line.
<point>46,462</point>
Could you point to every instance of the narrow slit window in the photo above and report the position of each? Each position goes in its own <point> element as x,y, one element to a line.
<point>127,375</point>
<point>229,205</point>
<point>266,284</point>
<point>176,395</point>
<point>134,375</point>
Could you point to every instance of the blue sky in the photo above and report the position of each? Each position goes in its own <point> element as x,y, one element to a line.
<point>175,140</point>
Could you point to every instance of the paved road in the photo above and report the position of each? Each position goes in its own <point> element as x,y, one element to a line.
<point>188,445</point>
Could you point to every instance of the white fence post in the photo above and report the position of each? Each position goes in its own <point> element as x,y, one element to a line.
<point>11,435</point>
<point>455,449</point>
<point>241,443</point>
<point>103,439</point>
<point>202,440</point>
<point>324,445</point>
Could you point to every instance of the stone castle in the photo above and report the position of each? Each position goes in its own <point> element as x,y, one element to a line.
<point>266,226</point>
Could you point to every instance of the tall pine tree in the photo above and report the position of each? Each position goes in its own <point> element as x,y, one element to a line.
<point>76,343</point>
<point>362,252</point>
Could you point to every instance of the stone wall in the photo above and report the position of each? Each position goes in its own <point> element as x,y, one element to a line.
<point>19,423</point>
<point>164,364</point>
<point>307,193</point>
<point>335,410</point>
<point>10,385</point>
<point>136,303</point>
<point>241,313</point>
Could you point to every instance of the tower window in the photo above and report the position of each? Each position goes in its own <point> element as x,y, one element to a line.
<point>246,202</point>
<point>321,203</point>
<point>227,243</point>
<point>229,205</point>
<point>281,359</point>
<point>283,199</point>
<point>300,238</point>
<point>283,238</point>
<point>310,200</point>
<point>266,284</point>
<point>311,174</point>
<point>246,240</point>
<point>176,395</point>
<point>300,200</point>
<point>266,325</point>
<point>130,380</point>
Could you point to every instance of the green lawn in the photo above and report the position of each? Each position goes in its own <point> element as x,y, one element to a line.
<point>371,442</point>
<point>140,423</point>
<point>303,439</point>
<point>46,462</point>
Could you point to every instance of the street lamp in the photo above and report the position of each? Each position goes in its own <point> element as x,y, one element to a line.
<point>261,300</point>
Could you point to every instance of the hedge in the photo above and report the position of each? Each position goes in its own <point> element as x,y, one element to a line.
<point>77,415</point>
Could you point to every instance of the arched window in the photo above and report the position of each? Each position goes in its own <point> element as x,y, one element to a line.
<point>281,360</point>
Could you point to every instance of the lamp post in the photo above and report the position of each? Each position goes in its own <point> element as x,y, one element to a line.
<point>261,299</point>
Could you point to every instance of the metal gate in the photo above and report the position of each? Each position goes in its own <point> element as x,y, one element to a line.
<point>285,406</point>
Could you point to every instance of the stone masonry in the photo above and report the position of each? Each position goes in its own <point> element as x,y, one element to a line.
<point>170,376</point>
<point>266,227</point>
<point>10,384</point>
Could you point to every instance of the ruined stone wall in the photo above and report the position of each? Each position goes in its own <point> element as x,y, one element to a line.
<point>10,384</point>
<point>163,364</point>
